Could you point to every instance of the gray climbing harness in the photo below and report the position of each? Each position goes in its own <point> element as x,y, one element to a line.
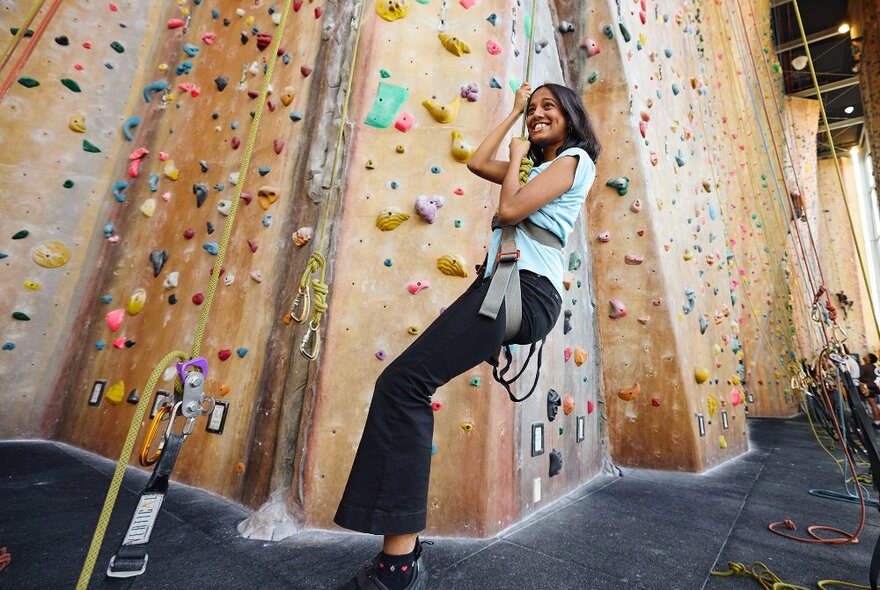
<point>504,287</point>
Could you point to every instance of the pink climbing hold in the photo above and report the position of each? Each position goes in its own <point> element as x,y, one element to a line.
<point>252,245</point>
<point>192,89</point>
<point>119,343</point>
<point>591,46</point>
<point>87,45</point>
<point>493,48</point>
<point>436,406</point>
<point>224,354</point>
<point>643,128</point>
<point>209,38</point>
<point>459,191</point>
<point>736,397</point>
<point>467,3</point>
<point>297,5</point>
<point>634,259</point>
<point>278,146</point>
<point>604,236</point>
<point>567,354</point>
<point>657,302</point>
<point>78,67</point>
<point>590,407</point>
<point>114,319</point>
<point>636,206</point>
<point>618,309</point>
<point>319,10</point>
<point>404,122</point>
<point>175,23</point>
<point>416,286</point>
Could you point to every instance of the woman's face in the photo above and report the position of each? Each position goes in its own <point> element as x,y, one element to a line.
<point>545,120</point>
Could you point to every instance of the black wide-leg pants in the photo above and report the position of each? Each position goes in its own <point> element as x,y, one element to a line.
<point>387,490</point>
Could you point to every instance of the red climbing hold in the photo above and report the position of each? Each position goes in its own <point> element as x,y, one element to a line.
<point>590,407</point>
<point>224,354</point>
<point>198,298</point>
<point>235,143</point>
<point>319,10</point>
<point>297,4</point>
<point>87,45</point>
<point>253,93</point>
<point>188,233</point>
<point>436,406</point>
<point>263,40</point>
<point>305,71</point>
<point>278,145</point>
<point>175,23</point>
<point>113,7</point>
<point>459,191</point>
<point>247,198</point>
<point>252,245</point>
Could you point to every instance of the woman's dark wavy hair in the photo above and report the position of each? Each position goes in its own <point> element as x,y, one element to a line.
<point>580,134</point>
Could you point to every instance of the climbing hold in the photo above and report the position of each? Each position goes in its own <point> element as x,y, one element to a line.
<point>591,46</point>
<point>380,354</point>
<point>413,331</point>
<point>171,279</point>
<point>114,319</point>
<point>691,298</point>
<point>31,285</point>
<point>461,151</point>
<point>580,356</point>
<point>493,19</point>
<point>566,324</point>
<point>454,45</point>
<point>223,206</point>
<point>198,298</point>
<point>636,206</point>
<point>136,302</point>
<point>471,92</point>
<point>426,207</point>
<point>590,407</point>
<point>50,254</point>
<point>211,248</point>
<point>392,10</point>
<point>416,286</point>
<point>158,259</point>
<point>566,354</point>
<point>704,323</point>
<point>200,190</point>
<point>628,394</point>
<point>224,354</point>
<point>436,406</point>
<point>228,279</point>
<point>643,128</point>
<point>553,403</point>
<point>494,83</point>
<point>711,405</point>
<point>71,85</point>
<point>618,309</point>
<point>625,32</point>
<point>117,47</point>
<point>568,405</point>
<point>77,123</point>
<point>619,183</point>
<point>9,346</point>
<point>452,265</point>
<point>389,99</point>
<point>679,159</point>
<point>445,113</point>
<point>701,374</point>
<point>722,442</point>
<point>115,393</point>
<point>20,235</point>
<point>493,48</point>
<point>256,276</point>
<point>170,170</point>
<point>28,82</point>
<point>153,87</point>
<point>467,426</point>
<point>302,236</point>
<point>267,195</point>
<point>19,315</point>
<point>574,261</point>
<point>604,236</point>
<point>566,27</point>
<point>90,147</point>
<point>633,259</point>
<point>148,207</point>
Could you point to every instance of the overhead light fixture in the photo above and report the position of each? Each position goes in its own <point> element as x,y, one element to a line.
<point>854,150</point>
<point>800,62</point>
<point>848,110</point>
<point>844,28</point>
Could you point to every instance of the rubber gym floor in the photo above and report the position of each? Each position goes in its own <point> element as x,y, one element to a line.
<point>642,530</point>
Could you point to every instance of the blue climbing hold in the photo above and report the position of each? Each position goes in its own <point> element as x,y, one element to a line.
<point>215,14</point>
<point>241,352</point>
<point>129,124</point>
<point>267,220</point>
<point>389,262</point>
<point>154,182</point>
<point>285,58</point>
<point>210,247</point>
<point>9,346</point>
<point>394,184</point>
<point>184,67</point>
<point>190,49</point>
<point>234,125</point>
<point>264,170</point>
<point>106,299</point>
<point>436,170</point>
<point>117,190</point>
<point>494,83</point>
<point>296,116</point>
<point>493,18</point>
<point>3,255</point>
<point>157,86</point>
<point>100,345</point>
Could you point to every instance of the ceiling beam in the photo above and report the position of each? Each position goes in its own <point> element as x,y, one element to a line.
<point>777,3</point>
<point>818,36</point>
<point>836,85</point>
<point>843,124</point>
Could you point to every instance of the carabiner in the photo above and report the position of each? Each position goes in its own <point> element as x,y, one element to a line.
<point>146,459</point>
<point>312,337</point>
<point>301,300</point>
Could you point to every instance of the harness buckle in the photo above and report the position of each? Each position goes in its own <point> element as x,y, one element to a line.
<point>507,255</point>
<point>125,573</point>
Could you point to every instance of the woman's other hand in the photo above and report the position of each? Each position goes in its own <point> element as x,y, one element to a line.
<point>522,97</point>
<point>519,149</point>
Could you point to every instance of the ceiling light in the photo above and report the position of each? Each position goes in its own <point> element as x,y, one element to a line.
<point>854,150</point>
<point>800,62</point>
<point>848,110</point>
<point>844,28</point>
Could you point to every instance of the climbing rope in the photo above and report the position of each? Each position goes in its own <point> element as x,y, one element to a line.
<point>28,50</point>
<point>20,33</point>
<point>299,309</point>
<point>125,456</point>
<point>770,581</point>
<point>526,164</point>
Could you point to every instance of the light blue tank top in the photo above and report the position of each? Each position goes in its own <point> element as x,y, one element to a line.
<point>557,216</point>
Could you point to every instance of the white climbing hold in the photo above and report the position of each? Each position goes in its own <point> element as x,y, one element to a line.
<point>170,281</point>
<point>223,206</point>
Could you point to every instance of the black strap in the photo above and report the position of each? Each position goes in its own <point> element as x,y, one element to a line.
<point>499,376</point>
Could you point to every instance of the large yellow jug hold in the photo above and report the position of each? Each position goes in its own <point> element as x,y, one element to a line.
<point>722,442</point>
<point>115,393</point>
<point>392,10</point>
<point>701,374</point>
<point>136,301</point>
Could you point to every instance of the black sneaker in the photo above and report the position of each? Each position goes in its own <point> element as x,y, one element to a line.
<point>368,579</point>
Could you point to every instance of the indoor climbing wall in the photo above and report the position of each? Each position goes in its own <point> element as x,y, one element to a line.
<point>434,79</point>
<point>839,258</point>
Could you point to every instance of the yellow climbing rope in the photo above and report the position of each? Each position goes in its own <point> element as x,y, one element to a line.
<point>525,166</point>
<point>770,581</point>
<point>125,456</point>
<point>797,14</point>
<point>299,309</point>
<point>13,43</point>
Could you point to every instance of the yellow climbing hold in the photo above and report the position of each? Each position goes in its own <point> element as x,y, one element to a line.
<point>701,374</point>
<point>445,113</point>
<point>452,265</point>
<point>712,405</point>
<point>115,393</point>
<point>136,301</point>
<point>722,442</point>
<point>390,218</point>
<point>31,285</point>
<point>467,426</point>
<point>148,207</point>
<point>171,170</point>
<point>288,96</point>
<point>454,45</point>
<point>50,254</point>
<point>580,356</point>
<point>461,151</point>
<point>267,195</point>
<point>392,10</point>
<point>413,331</point>
<point>400,149</point>
<point>735,380</point>
<point>688,255</point>
<point>77,123</point>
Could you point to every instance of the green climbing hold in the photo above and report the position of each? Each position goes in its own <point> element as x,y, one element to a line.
<point>574,261</point>
<point>28,82</point>
<point>385,73</point>
<point>20,234</point>
<point>389,99</point>
<point>625,32</point>
<point>68,183</point>
<point>475,382</point>
<point>117,47</point>
<point>90,147</point>
<point>594,75</point>
<point>21,316</point>
<point>71,84</point>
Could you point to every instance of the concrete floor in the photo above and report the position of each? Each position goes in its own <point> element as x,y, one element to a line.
<point>645,530</point>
